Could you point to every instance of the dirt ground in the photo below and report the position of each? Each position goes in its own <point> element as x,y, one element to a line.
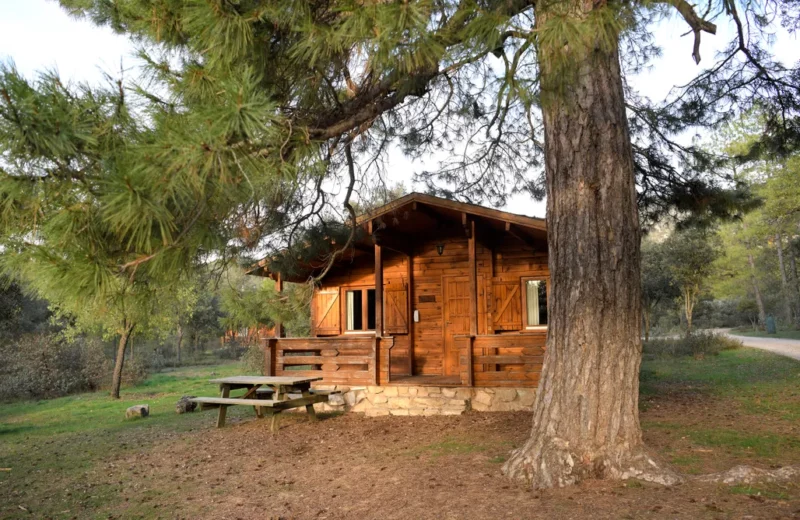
<point>348,466</point>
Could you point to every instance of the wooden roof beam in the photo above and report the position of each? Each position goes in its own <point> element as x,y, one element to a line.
<point>393,242</point>
<point>465,223</point>
<point>520,235</point>
<point>428,212</point>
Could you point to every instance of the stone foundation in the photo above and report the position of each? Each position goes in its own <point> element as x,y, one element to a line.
<point>374,401</point>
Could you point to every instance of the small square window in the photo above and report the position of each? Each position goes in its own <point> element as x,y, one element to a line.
<point>359,310</point>
<point>535,303</point>
<point>354,311</point>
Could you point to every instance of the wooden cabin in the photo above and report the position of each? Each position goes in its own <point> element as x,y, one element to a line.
<point>434,293</point>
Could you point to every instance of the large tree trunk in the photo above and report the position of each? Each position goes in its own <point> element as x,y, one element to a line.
<point>586,417</point>
<point>785,286</point>
<point>116,380</point>
<point>762,315</point>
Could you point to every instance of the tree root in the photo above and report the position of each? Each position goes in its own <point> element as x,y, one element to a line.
<point>751,475</point>
<point>554,465</point>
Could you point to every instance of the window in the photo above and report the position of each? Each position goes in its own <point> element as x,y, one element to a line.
<point>359,310</point>
<point>535,299</point>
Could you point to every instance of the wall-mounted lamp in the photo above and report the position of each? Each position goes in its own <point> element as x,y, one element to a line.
<point>440,249</point>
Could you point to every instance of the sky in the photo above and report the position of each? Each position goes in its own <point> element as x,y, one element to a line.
<point>38,34</point>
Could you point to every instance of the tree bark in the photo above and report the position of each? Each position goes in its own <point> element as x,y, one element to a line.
<point>688,309</point>
<point>178,346</point>
<point>794,282</point>
<point>762,314</point>
<point>586,417</point>
<point>785,287</point>
<point>116,380</point>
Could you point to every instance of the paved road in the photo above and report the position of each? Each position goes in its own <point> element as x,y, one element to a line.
<point>784,347</point>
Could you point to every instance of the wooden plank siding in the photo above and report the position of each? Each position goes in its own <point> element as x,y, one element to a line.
<point>495,349</point>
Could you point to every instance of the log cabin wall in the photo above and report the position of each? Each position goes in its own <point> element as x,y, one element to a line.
<point>359,273</point>
<point>499,271</point>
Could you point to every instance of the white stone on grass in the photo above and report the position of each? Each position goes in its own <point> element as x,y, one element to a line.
<point>138,410</point>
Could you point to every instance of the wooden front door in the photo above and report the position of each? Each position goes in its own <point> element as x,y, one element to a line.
<point>455,311</point>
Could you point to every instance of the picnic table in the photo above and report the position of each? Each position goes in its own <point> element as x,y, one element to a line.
<point>268,395</point>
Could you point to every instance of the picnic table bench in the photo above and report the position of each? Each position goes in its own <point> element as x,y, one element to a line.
<point>279,395</point>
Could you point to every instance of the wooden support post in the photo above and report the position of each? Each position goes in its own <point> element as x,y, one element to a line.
<point>473,281</point>
<point>470,375</point>
<point>376,366</point>
<point>378,291</point>
<point>312,414</point>
<point>225,392</point>
<point>411,324</point>
<point>270,355</point>
<point>279,333</point>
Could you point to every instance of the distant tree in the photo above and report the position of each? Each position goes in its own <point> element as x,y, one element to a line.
<point>20,313</point>
<point>375,196</point>
<point>690,256</point>
<point>252,302</point>
<point>246,300</point>
<point>658,282</point>
<point>176,309</point>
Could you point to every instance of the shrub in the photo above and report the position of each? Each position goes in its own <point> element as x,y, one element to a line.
<point>697,345</point>
<point>134,372</point>
<point>253,359</point>
<point>45,365</point>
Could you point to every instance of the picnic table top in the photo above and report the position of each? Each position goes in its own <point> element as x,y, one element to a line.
<point>265,380</point>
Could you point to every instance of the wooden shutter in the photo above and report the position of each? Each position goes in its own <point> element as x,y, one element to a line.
<point>395,309</point>
<point>506,305</point>
<point>325,313</point>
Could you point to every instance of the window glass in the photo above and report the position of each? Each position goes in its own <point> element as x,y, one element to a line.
<point>354,310</point>
<point>536,298</point>
<point>370,309</point>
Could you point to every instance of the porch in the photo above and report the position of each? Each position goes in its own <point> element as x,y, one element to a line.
<point>491,360</point>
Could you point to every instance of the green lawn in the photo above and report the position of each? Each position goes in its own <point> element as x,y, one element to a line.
<point>783,334</point>
<point>50,444</point>
<point>742,406</point>
<point>760,381</point>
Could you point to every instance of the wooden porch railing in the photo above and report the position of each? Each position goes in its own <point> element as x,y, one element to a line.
<point>340,360</point>
<point>501,359</point>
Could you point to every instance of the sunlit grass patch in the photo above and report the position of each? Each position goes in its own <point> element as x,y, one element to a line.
<point>765,491</point>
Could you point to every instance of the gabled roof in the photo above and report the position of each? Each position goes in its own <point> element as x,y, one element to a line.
<point>417,214</point>
<point>465,207</point>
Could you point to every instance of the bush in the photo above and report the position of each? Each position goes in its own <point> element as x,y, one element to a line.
<point>253,359</point>
<point>37,366</point>
<point>697,345</point>
<point>44,365</point>
<point>133,372</point>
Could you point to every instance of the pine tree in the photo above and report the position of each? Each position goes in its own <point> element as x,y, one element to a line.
<point>254,105</point>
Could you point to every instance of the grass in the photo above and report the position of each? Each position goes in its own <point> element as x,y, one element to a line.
<point>782,334</point>
<point>731,371</point>
<point>755,396</point>
<point>760,491</point>
<point>58,440</point>
<point>761,382</point>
